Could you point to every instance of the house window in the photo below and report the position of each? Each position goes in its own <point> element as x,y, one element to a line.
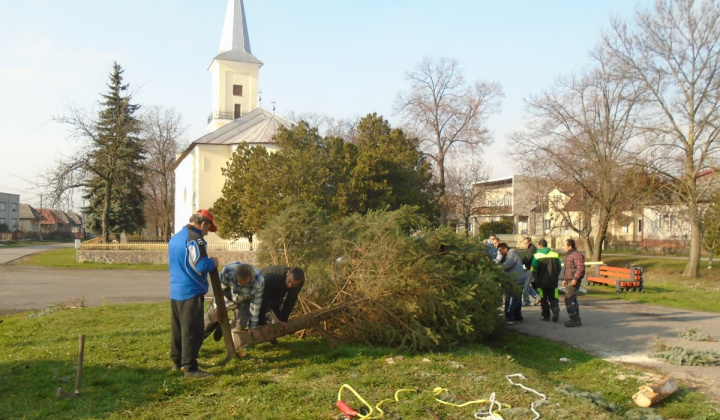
<point>237,90</point>
<point>639,225</point>
<point>3,206</point>
<point>626,229</point>
<point>14,206</point>
<point>546,224</point>
<point>2,220</point>
<point>13,223</point>
<point>237,111</point>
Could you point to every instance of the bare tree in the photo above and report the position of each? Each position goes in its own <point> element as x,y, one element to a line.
<point>675,54</point>
<point>345,128</point>
<point>161,133</point>
<point>460,188</point>
<point>580,137</point>
<point>444,112</point>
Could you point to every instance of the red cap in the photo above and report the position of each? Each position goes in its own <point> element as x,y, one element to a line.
<point>208,215</point>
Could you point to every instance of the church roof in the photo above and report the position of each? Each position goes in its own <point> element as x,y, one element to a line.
<point>256,127</point>
<point>235,42</point>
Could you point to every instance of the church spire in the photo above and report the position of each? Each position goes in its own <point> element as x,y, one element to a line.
<point>235,42</point>
<point>234,71</point>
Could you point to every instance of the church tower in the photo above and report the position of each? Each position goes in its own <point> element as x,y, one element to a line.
<point>234,71</point>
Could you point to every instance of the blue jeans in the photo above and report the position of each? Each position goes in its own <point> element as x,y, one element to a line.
<point>528,291</point>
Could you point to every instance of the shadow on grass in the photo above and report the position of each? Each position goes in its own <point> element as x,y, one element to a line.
<point>30,389</point>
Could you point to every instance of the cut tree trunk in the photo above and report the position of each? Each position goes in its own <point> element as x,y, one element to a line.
<point>243,339</point>
<point>655,392</point>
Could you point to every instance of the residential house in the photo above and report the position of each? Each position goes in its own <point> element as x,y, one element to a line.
<point>515,199</point>
<point>10,211</point>
<point>76,224</point>
<point>236,118</point>
<point>30,219</point>
<point>665,225</point>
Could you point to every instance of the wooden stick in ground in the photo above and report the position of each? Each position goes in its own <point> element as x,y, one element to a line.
<point>222,315</point>
<point>78,374</point>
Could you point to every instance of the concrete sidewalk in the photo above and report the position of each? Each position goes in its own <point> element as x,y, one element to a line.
<point>628,332</point>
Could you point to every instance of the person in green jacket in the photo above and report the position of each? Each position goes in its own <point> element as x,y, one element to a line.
<point>545,266</point>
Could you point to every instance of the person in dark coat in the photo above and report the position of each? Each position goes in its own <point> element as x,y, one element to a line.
<point>546,265</point>
<point>528,290</point>
<point>574,273</point>
<point>282,288</point>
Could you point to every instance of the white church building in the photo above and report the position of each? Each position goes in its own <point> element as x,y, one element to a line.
<point>236,118</point>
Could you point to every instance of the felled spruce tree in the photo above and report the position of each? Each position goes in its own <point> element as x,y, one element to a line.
<point>406,284</point>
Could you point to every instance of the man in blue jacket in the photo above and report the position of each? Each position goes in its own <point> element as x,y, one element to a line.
<point>189,266</point>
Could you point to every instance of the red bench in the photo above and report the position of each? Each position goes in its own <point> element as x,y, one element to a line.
<point>622,278</point>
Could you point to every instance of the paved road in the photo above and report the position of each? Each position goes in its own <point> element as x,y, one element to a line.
<point>34,288</point>
<point>627,332</point>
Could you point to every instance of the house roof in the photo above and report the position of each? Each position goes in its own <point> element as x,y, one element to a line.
<point>28,212</point>
<point>75,218</point>
<point>235,42</point>
<point>49,217</point>
<point>60,217</point>
<point>256,127</point>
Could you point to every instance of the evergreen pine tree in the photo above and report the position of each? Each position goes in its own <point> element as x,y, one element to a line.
<point>115,199</point>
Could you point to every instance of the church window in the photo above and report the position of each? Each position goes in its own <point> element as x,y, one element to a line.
<point>237,90</point>
<point>237,114</point>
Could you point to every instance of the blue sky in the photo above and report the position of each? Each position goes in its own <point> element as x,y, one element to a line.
<point>341,58</point>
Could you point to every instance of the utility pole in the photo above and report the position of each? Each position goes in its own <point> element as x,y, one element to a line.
<point>41,217</point>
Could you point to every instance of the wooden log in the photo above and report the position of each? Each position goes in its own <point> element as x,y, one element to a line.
<point>243,339</point>
<point>221,314</point>
<point>655,392</point>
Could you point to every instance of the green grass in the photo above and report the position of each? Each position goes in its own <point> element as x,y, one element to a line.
<point>126,375</point>
<point>65,258</point>
<point>664,284</point>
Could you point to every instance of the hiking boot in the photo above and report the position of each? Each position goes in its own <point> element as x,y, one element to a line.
<point>217,335</point>
<point>555,314</point>
<point>573,322</point>
<point>197,374</point>
<point>544,318</point>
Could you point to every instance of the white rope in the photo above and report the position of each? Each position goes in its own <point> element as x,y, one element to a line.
<point>532,406</point>
<point>489,415</point>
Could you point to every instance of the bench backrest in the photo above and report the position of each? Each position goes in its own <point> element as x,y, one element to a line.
<point>621,273</point>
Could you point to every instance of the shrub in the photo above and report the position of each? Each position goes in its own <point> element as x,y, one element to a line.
<point>495,227</point>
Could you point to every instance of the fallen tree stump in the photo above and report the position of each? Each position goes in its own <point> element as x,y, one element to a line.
<point>655,392</point>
